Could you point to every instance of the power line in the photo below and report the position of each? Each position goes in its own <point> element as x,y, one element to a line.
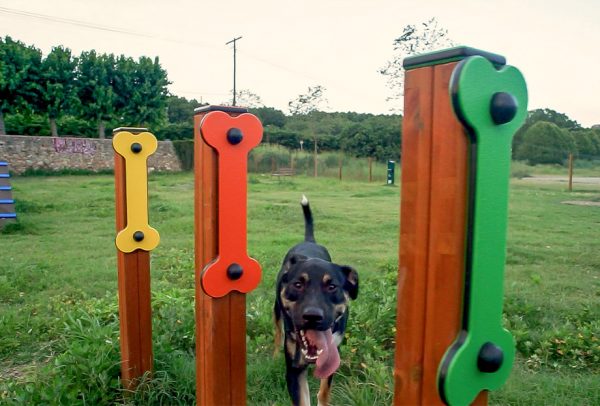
<point>88,25</point>
<point>99,27</point>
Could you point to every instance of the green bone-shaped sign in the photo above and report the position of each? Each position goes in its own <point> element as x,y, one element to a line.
<point>492,104</point>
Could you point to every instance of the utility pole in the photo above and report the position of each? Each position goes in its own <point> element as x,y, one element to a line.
<point>234,52</point>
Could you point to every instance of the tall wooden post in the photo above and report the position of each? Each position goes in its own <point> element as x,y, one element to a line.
<point>133,256</point>
<point>220,321</point>
<point>570,172</point>
<point>434,203</point>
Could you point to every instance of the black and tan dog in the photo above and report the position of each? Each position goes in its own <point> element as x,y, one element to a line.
<point>312,302</point>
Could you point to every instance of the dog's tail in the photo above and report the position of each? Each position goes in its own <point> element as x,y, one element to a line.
<point>309,232</point>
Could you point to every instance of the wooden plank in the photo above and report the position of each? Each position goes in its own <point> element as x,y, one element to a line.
<point>135,314</point>
<point>220,322</point>
<point>414,236</point>
<point>447,232</point>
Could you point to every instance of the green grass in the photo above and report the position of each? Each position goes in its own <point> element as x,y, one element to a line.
<point>58,305</point>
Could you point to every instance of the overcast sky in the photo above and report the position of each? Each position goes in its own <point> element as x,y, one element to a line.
<point>339,44</point>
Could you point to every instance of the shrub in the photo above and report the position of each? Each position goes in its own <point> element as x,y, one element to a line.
<point>175,131</point>
<point>545,143</point>
<point>185,152</point>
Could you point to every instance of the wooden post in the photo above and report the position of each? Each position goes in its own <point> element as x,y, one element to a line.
<point>433,226</point>
<point>135,313</point>
<point>316,157</point>
<point>570,172</point>
<point>340,163</point>
<point>370,169</point>
<point>220,322</point>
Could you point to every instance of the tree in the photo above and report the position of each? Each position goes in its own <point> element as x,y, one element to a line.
<point>587,142</point>
<point>545,143</point>
<point>377,137</point>
<point>547,115</point>
<point>58,80</point>
<point>181,110</point>
<point>269,116</point>
<point>415,39</point>
<point>247,98</point>
<point>141,89</point>
<point>94,88</point>
<point>308,103</point>
<point>20,68</point>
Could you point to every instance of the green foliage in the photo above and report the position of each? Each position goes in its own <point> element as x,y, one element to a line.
<point>175,131</point>
<point>546,115</point>
<point>57,83</point>
<point>376,137</point>
<point>141,89</point>
<point>94,87</point>
<point>181,110</point>
<point>545,143</point>
<point>35,124</point>
<point>63,172</point>
<point>269,116</point>
<point>288,139</point>
<point>26,124</point>
<point>20,69</point>
<point>185,152</point>
<point>587,142</point>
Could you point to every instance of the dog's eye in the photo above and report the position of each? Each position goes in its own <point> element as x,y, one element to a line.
<point>331,287</point>
<point>298,285</point>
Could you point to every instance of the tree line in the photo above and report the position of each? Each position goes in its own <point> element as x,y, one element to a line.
<point>89,91</point>
<point>88,94</point>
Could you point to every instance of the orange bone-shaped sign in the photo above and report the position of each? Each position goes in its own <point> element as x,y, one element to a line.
<point>232,138</point>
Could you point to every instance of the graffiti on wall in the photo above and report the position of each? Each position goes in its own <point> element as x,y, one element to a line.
<point>74,146</point>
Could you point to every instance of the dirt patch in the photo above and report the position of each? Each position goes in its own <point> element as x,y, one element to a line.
<point>582,180</point>
<point>582,203</point>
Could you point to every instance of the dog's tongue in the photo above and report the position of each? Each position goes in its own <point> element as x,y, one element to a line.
<point>329,360</point>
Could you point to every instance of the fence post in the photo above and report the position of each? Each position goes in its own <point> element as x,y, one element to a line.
<point>435,213</point>
<point>135,240</point>
<point>570,172</point>
<point>220,320</point>
<point>370,169</point>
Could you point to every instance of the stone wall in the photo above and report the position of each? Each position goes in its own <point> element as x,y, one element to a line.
<point>51,153</point>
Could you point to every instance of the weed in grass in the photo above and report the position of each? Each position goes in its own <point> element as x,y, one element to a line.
<point>14,227</point>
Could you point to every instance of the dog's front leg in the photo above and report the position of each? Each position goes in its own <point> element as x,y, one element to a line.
<point>325,391</point>
<point>298,386</point>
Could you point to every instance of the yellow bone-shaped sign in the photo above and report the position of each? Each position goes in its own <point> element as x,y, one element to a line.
<point>135,149</point>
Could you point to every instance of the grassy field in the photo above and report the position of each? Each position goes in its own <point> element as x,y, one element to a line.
<point>58,305</point>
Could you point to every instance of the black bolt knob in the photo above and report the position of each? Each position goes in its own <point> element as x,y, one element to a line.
<point>138,236</point>
<point>234,272</point>
<point>490,358</point>
<point>136,147</point>
<point>503,107</point>
<point>234,136</point>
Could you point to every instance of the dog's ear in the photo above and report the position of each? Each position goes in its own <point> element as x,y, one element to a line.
<point>290,262</point>
<point>351,284</point>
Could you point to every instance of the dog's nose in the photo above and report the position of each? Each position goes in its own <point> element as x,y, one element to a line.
<point>313,314</point>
